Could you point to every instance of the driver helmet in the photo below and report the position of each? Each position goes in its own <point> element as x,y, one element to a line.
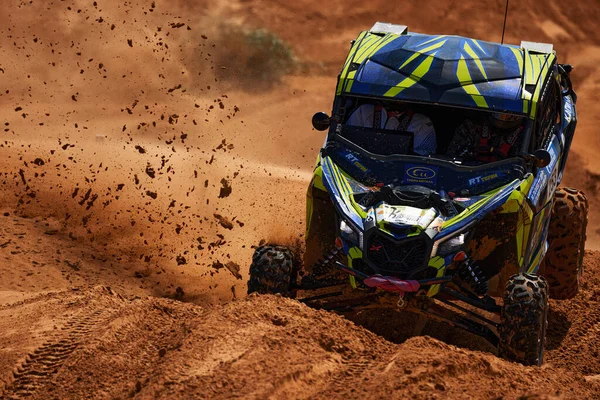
<point>506,121</point>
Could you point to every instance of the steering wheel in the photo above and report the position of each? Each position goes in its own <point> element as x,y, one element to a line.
<point>485,151</point>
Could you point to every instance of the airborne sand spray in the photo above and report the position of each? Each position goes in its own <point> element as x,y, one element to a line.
<point>142,78</point>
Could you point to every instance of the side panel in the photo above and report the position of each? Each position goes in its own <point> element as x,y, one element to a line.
<point>321,220</point>
<point>538,241</point>
<point>499,241</point>
<point>540,196</point>
<point>546,180</point>
<point>567,129</point>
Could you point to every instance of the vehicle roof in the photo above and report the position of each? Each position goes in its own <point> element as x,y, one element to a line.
<point>445,69</point>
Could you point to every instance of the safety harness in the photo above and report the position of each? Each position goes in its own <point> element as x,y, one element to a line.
<point>489,151</point>
<point>407,116</point>
<point>404,118</point>
<point>377,116</point>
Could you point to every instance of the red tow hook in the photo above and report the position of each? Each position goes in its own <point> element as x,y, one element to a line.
<point>390,283</point>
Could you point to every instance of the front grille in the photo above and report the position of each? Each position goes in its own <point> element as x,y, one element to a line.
<point>403,258</point>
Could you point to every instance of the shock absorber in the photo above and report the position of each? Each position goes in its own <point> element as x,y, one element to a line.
<point>323,265</point>
<point>469,273</point>
<point>323,272</point>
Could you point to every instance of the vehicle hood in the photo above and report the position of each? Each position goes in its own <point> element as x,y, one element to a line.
<point>403,221</point>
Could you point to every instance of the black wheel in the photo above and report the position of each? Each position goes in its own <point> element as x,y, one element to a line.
<point>272,270</point>
<point>563,264</point>
<point>524,319</point>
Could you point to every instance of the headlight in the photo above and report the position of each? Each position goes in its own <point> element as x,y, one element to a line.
<point>447,246</point>
<point>350,235</point>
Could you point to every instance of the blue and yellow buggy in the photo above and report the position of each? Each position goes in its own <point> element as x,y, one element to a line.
<point>481,245</point>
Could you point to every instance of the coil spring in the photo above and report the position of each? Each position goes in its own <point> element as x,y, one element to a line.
<point>472,275</point>
<point>323,265</point>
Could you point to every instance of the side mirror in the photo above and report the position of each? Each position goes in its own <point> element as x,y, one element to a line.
<point>542,158</point>
<point>321,121</point>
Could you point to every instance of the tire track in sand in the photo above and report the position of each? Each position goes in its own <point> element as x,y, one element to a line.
<point>41,364</point>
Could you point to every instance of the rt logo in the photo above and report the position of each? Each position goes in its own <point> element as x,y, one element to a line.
<point>482,179</point>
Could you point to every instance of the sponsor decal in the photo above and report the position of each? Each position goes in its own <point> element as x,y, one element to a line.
<point>538,185</point>
<point>552,183</point>
<point>482,179</point>
<point>568,109</point>
<point>552,152</point>
<point>437,224</point>
<point>547,177</point>
<point>420,174</point>
<point>404,215</point>
<point>354,160</point>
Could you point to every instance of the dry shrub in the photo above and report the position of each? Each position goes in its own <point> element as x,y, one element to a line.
<point>253,59</point>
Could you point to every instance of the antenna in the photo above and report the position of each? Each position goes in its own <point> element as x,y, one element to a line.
<point>504,27</point>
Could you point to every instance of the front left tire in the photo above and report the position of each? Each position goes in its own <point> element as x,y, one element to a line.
<point>272,271</point>
<point>524,319</point>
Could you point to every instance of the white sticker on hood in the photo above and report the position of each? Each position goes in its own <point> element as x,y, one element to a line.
<point>404,215</point>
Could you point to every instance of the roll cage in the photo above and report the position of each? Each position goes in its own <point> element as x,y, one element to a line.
<point>445,120</point>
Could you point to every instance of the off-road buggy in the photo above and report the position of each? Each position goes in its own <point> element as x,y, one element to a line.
<point>481,245</point>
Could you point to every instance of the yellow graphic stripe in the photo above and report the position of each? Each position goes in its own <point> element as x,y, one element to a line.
<point>439,264</point>
<point>318,179</point>
<point>526,184</point>
<point>516,203</point>
<point>472,53</point>
<point>474,207</point>
<point>370,46</point>
<point>353,254</point>
<point>530,72</point>
<point>519,57</point>
<point>318,162</point>
<point>431,40</point>
<point>537,260</point>
<point>415,55</point>
<point>527,78</point>
<point>544,61</point>
<point>350,196</point>
<point>432,47</point>
<point>353,50</point>
<point>478,45</point>
<point>384,41</point>
<point>416,75</point>
<point>423,51</point>
<point>342,183</point>
<point>338,180</point>
<point>463,75</point>
<point>519,195</point>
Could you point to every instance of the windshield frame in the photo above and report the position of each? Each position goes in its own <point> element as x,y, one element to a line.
<point>456,164</point>
<point>342,111</point>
